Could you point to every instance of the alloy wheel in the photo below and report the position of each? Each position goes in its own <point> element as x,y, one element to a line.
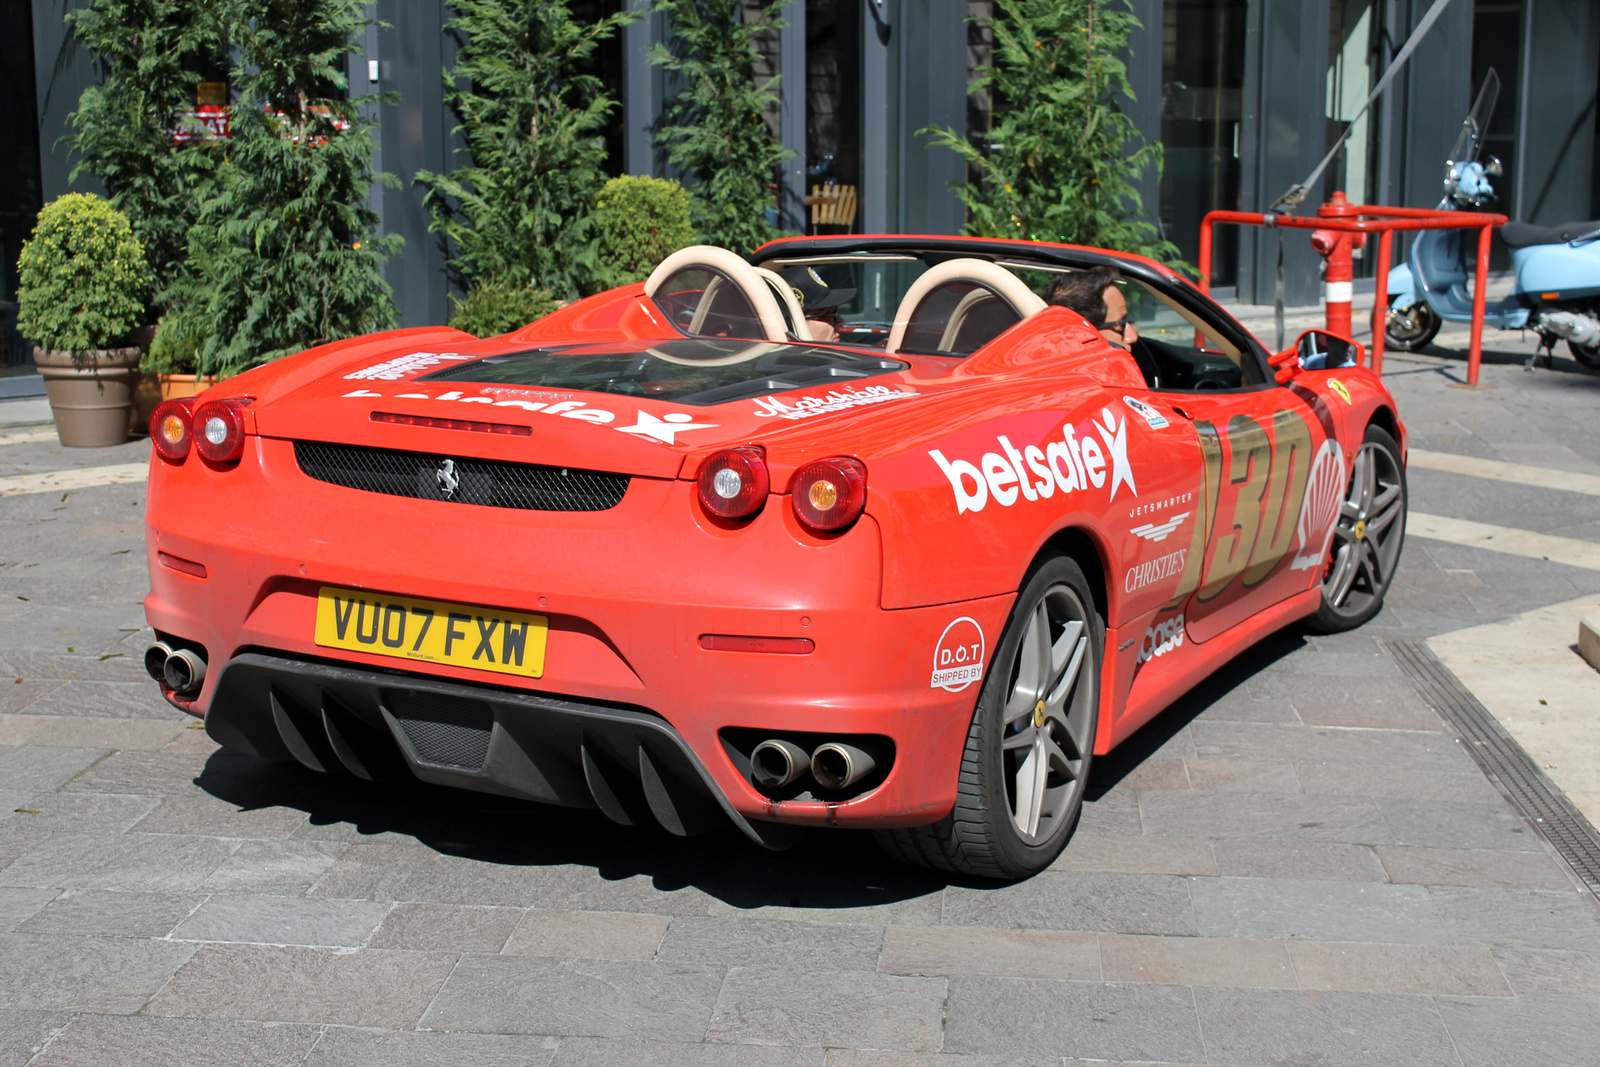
<point>1367,538</point>
<point>1046,721</point>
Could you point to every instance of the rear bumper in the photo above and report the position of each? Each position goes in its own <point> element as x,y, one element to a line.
<point>628,593</point>
<point>630,764</point>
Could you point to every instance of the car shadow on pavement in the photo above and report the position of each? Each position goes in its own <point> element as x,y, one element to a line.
<point>1116,765</point>
<point>824,870</point>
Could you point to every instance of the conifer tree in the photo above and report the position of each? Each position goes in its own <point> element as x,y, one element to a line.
<point>716,131</point>
<point>148,52</point>
<point>1064,158</point>
<point>532,114</point>
<point>285,254</point>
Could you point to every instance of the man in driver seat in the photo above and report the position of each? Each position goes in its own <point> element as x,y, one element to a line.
<point>818,301</point>
<point>1093,293</point>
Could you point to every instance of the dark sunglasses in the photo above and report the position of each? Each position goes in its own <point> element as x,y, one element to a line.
<point>1120,325</point>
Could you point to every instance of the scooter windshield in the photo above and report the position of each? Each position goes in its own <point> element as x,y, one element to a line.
<point>1470,142</point>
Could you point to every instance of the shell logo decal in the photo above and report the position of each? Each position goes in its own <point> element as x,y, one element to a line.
<point>1319,512</point>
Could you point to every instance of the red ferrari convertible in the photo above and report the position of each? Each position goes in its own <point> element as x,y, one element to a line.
<point>665,554</point>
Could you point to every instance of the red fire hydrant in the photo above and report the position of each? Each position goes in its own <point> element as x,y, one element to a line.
<point>1338,271</point>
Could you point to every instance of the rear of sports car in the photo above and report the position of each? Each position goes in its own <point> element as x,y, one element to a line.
<point>396,563</point>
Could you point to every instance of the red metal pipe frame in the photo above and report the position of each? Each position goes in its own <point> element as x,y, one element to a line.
<point>1384,221</point>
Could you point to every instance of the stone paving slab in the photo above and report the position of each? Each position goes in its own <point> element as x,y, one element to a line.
<point>1296,864</point>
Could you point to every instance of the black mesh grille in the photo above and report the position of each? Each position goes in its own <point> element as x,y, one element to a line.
<point>450,731</point>
<point>491,483</point>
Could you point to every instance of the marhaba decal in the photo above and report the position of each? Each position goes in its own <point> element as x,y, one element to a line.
<point>805,407</point>
<point>1272,474</point>
<point>1069,464</point>
<point>663,428</point>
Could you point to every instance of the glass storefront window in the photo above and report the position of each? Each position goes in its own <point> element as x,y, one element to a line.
<point>1202,82</point>
<point>833,101</point>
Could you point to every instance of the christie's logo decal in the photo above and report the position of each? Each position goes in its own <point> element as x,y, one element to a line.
<point>1153,571</point>
<point>958,657</point>
<point>805,407</point>
<point>1161,638</point>
<point>1069,464</point>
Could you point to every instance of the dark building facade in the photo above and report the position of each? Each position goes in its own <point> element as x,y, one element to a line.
<point>1246,95</point>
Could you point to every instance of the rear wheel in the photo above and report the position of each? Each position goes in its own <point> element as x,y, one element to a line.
<point>1587,355</point>
<point>1367,537</point>
<point>1411,329</point>
<point>1031,741</point>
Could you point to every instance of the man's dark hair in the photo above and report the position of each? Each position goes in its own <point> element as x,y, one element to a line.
<point>1084,291</point>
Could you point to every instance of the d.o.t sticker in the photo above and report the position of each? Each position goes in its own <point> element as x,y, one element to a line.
<point>958,657</point>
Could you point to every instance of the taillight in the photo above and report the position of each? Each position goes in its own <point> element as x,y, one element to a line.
<point>171,428</point>
<point>829,494</point>
<point>734,483</point>
<point>219,430</point>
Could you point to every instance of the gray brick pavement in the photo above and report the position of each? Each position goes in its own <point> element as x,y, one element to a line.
<point>1294,865</point>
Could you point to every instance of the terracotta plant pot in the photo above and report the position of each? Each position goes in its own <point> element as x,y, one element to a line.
<point>92,401</point>
<point>178,386</point>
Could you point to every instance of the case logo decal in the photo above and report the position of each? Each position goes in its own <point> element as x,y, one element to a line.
<point>958,657</point>
<point>1162,638</point>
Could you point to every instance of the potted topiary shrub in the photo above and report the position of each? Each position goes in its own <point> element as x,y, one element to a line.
<point>84,282</point>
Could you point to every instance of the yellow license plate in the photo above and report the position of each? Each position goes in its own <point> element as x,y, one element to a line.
<point>432,631</point>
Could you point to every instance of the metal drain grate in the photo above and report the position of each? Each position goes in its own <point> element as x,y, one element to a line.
<point>1503,760</point>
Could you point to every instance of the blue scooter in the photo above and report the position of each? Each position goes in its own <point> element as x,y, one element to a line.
<point>1557,291</point>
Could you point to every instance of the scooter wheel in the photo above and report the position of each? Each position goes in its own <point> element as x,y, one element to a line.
<point>1411,329</point>
<point>1587,355</point>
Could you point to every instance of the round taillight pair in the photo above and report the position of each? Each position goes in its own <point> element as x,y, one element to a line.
<point>827,494</point>
<point>171,428</point>
<point>734,483</point>
<point>215,429</point>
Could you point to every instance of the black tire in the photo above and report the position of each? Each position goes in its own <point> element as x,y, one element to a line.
<point>1369,534</point>
<point>1410,330</point>
<point>983,836</point>
<point>1587,355</point>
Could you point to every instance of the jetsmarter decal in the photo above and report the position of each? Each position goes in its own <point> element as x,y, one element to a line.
<point>1068,464</point>
<point>663,428</point>
<point>805,407</point>
<point>1271,475</point>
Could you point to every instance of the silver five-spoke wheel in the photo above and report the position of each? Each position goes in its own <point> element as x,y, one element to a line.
<point>1367,535</point>
<point>1046,737</point>
<point>1031,740</point>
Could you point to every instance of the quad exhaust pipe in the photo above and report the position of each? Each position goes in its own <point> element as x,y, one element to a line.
<point>837,765</point>
<point>776,763</point>
<point>183,670</point>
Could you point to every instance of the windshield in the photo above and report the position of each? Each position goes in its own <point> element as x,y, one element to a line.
<point>1470,140</point>
<point>696,372</point>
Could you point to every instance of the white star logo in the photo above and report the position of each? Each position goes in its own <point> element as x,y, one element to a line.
<point>1158,531</point>
<point>1115,435</point>
<point>663,429</point>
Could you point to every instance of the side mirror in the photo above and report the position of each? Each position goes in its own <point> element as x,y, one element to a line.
<point>1317,350</point>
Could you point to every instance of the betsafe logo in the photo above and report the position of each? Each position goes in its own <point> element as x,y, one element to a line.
<point>1069,464</point>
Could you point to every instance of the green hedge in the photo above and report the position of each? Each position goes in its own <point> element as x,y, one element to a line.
<point>84,277</point>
